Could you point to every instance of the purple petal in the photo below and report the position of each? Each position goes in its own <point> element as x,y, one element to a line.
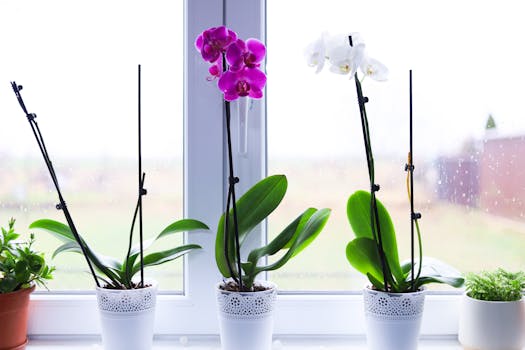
<point>230,95</point>
<point>255,92</point>
<point>234,54</point>
<point>209,53</point>
<point>228,81</point>
<point>215,70</point>
<point>199,42</point>
<point>220,33</point>
<point>255,77</point>
<point>257,50</point>
<point>232,35</point>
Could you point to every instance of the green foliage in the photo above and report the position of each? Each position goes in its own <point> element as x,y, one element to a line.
<point>114,273</point>
<point>491,123</point>
<point>252,208</point>
<point>363,253</point>
<point>20,266</point>
<point>498,285</point>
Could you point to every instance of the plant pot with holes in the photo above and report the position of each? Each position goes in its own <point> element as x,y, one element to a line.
<point>393,320</point>
<point>246,318</point>
<point>245,305</point>
<point>492,313</point>
<point>127,317</point>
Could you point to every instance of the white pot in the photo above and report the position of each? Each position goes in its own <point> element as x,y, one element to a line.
<point>492,325</point>
<point>393,320</point>
<point>246,318</point>
<point>127,317</point>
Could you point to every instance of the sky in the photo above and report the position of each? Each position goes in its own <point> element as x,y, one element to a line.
<point>78,63</point>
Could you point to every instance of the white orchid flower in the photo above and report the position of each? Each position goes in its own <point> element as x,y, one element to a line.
<point>374,69</point>
<point>315,53</point>
<point>339,40</point>
<point>345,59</point>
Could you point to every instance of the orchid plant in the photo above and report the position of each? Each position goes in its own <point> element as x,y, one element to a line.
<point>374,250</point>
<point>237,66</point>
<point>113,273</point>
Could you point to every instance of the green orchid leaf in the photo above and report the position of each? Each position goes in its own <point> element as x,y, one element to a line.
<point>67,247</point>
<point>164,256</point>
<point>57,229</point>
<point>434,270</point>
<point>405,267</point>
<point>283,239</point>
<point>184,225</point>
<point>362,254</point>
<point>376,283</point>
<point>455,282</point>
<point>309,227</point>
<point>106,265</point>
<point>358,212</point>
<point>252,208</point>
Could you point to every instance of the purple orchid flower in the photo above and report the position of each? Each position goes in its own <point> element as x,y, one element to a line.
<point>249,54</point>
<point>214,41</point>
<point>215,70</point>
<point>245,82</point>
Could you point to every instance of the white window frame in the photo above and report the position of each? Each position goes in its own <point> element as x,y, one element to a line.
<point>194,312</point>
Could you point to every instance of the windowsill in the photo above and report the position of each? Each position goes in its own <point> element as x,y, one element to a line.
<point>212,343</point>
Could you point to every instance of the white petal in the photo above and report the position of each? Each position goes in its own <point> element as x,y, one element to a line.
<point>337,40</point>
<point>345,59</point>
<point>374,69</point>
<point>315,54</point>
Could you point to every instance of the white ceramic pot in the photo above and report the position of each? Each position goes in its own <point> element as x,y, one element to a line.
<point>492,325</point>
<point>246,318</point>
<point>127,317</point>
<point>393,320</point>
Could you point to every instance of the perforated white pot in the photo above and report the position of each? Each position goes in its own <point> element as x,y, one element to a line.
<point>246,319</point>
<point>393,320</point>
<point>492,325</point>
<point>127,317</point>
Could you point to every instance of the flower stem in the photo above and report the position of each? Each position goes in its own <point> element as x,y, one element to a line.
<point>62,205</point>
<point>374,215</point>
<point>232,180</point>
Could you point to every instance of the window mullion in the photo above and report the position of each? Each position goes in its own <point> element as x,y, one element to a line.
<point>203,164</point>
<point>247,19</point>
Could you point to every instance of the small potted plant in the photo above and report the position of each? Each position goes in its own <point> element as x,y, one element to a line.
<point>492,315</point>
<point>21,268</point>
<point>126,304</point>
<point>395,297</point>
<point>246,304</point>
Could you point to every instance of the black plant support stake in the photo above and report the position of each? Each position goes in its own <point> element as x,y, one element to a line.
<point>231,201</point>
<point>62,205</point>
<point>128,254</point>
<point>232,180</point>
<point>374,216</point>
<point>413,215</point>
<point>141,175</point>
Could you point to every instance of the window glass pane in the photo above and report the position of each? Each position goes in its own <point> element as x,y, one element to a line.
<point>467,63</point>
<point>77,61</point>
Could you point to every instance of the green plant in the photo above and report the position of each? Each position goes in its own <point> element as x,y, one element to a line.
<point>252,208</point>
<point>498,285</point>
<point>20,265</point>
<point>363,252</point>
<point>115,274</point>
